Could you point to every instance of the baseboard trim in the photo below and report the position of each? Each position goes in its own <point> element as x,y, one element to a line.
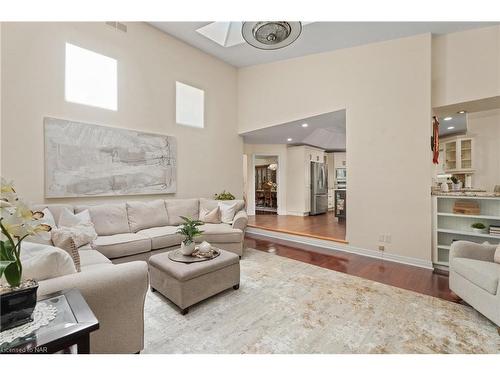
<point>324,246</point>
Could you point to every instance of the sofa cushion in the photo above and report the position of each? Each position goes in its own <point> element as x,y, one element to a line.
<point>90,257</point>
<point>123,244</point>
<point>485,275</point>
<point>108,219</point>
<point>162,236</point>
<point>142,215</point>
<point>181,207</point>
<point>221,233</point>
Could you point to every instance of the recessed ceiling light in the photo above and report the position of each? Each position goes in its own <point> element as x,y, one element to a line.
<point>450,127</point>
<point>289,139</point>
<point>305,125</point>
<point>461,112</point>
<point>448,118</point>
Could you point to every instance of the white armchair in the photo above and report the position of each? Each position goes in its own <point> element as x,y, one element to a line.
<point>475,277</point>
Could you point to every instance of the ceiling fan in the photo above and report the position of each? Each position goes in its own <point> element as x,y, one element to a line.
<point>266,35</point>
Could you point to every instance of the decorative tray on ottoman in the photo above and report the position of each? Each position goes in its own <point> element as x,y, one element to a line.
<point>197,256</point>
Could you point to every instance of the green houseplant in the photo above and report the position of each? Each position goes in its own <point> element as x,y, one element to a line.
<point>17,221</point>
<point>224,196</point>
<point>189,229</point>
<point>478,227</point>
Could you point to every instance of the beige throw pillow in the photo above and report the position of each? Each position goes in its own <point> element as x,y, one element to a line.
<point>210,216</point>
<point>64,240</point>
<point>81,234</point>
<point>497,255</point>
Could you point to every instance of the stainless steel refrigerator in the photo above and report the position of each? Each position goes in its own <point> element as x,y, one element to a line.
<point>319,188</point>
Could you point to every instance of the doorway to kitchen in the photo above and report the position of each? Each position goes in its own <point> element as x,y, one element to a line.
<point>297,178</point>
<point>266,184</point>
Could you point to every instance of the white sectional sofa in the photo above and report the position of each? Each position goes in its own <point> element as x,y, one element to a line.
<point>131,228</point>
<point>128,232</point>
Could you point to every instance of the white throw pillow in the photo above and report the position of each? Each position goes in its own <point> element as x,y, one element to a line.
<point>69,219</point>
<point>41,262</point>
<point>496,257</point>
<point>78,226</point>
<point>44,237</point>
<point>228,210</point>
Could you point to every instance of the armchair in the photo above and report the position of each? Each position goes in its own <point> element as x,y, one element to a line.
<point>475,277</point>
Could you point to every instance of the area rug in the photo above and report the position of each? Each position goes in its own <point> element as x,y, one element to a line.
<point>286,306</point>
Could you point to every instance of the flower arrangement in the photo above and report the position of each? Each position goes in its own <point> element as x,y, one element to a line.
<point>224,196</point>
<point>17,222</point>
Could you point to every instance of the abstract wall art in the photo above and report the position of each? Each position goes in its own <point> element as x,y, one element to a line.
<point>91,160</point>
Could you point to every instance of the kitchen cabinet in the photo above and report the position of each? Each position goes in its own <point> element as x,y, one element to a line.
<point>457,155</point>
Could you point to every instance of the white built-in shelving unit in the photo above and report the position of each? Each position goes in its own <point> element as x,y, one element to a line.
<point>449,226</point>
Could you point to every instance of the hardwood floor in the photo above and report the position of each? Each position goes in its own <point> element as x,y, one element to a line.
<point>319,226</point>
<point>399,275</point>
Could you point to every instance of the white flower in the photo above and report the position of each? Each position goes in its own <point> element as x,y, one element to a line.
<point>17,218</point>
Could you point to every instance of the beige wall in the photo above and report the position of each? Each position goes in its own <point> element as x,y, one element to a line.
<point>465,66</point>
<point>485,128</point>
<point>149,63</point>
<point>386,90</point>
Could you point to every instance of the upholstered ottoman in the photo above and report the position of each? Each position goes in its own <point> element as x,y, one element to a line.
<point>188,283</point>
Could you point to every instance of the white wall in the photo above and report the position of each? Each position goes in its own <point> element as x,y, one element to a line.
<point>149,63</point>
<point>465,66</point>
<point>386,90</point>
<point>485,128</point>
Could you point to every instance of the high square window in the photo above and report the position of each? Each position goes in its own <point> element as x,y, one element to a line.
<point>189,105</point>
<point>91,78</point>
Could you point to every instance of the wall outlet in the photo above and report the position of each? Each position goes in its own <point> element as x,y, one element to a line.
<point>381,247</point>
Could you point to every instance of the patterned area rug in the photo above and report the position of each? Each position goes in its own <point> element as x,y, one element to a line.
<point>286,306</point>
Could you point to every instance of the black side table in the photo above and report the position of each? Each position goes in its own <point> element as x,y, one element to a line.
<point>72,326</point>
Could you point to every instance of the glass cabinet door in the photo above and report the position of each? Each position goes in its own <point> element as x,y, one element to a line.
<point>465,153</point>
<point>450,155</point>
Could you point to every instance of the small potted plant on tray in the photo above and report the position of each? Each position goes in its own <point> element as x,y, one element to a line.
<point>478,228</point>
<point>17,221</point>
<point>189,229</point>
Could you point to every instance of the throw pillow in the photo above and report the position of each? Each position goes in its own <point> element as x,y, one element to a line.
<point>210,216</point>
<point>41,262</point>
<point>64,240</point>
<point>496,257</point>
<point>44,237</point>
<point>228,210</point>
<point>69,219</point>
<point>81,234</point>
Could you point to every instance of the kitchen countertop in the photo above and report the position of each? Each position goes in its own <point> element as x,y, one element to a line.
<point>467,194</point>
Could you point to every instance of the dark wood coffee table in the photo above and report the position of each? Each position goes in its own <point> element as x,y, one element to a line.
<point>72,326</point>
